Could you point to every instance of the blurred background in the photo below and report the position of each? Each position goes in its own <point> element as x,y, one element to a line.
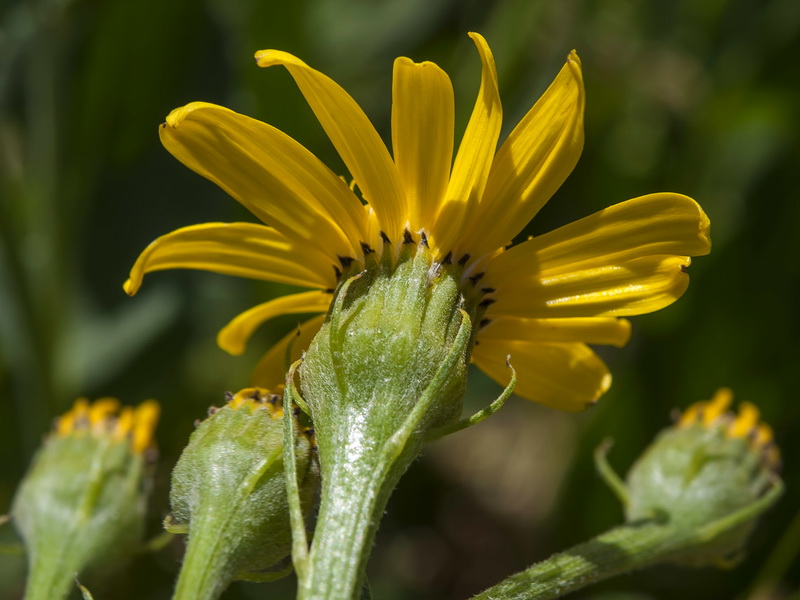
<point>694,96</point>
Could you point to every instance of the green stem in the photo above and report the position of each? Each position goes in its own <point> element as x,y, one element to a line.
<point>779,561</point>
<point>354,495</point>
<point>49,579</point>
<point>206,571</point>
<point>617,551</point>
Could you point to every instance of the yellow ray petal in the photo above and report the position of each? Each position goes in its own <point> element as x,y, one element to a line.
<point>745,424</point>
<point>422,136</point>
<point>474,158</point>
<point>632,287</point>
<point>598,330</point>
<point>716,407</point>
<point>276,178</point>
<point>234,336</point>
<point>353,136</point>
<point>372,227</point>
<point>533,162</point>
<point>615,262</point>
<point>145,421</point>
<point>655,224</point>
<point>102,409</point>
<point>271,369</point>
<point>241,249</point>
<point>564,376</point>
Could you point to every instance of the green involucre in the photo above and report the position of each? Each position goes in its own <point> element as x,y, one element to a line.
<point>228,493</point>
<point>695,477</point>
<point>80,507</point>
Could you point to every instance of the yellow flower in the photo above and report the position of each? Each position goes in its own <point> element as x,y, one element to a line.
<point>714,415</point>
<point>104,418</point>
<point>546,298</point>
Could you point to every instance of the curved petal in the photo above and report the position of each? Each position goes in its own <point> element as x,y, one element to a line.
<point>234,336</point>
<point>276,178</point>
<point>241,249</point>
<point>353,136</point>
<point>271,369</point>
<point>564,376</point>
<point>655,224</point>
<point>474,158</point>
<point>627,259</point>
<point>590,330</point>
<point>422,136</point>
<point>534,161</point>
<point>633,287</point>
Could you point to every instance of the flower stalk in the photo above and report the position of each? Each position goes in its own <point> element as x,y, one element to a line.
<point>407,339</point>
<point>620,550</point>
<point>692,499</point>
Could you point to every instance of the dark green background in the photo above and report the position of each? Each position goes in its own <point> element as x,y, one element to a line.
<point>695,96</point>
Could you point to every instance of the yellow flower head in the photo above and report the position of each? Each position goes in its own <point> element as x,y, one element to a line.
<point>104,418</point>
<point>545,299</point>
<point>714,415</point>
<point>254,398</point>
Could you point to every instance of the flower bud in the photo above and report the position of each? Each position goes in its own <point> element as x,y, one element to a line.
<point>229,493</point>
<point>709,477</point>
<point>82,503</point>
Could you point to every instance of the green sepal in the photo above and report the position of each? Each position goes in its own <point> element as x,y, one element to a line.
<point>171,526</point>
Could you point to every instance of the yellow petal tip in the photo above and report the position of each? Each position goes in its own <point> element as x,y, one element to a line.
<point>704,230</point>
<point>268,58</point>
<point>625,333</point>
<point>230,343</point>
<point>130,288</point>
<point>178,115</point>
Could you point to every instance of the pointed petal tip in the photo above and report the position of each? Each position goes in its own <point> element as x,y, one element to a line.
<point>268,58</point>
<point>485,52</point>
<point>179,115</point>
<point>230,342</point>
<point>131,288</point>
<point>477,38</point>
<point>575,67</point>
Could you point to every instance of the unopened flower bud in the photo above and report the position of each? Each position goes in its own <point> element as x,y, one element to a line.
<point>81,505</point>
<point>229,494</point>
<point>709,477</point>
